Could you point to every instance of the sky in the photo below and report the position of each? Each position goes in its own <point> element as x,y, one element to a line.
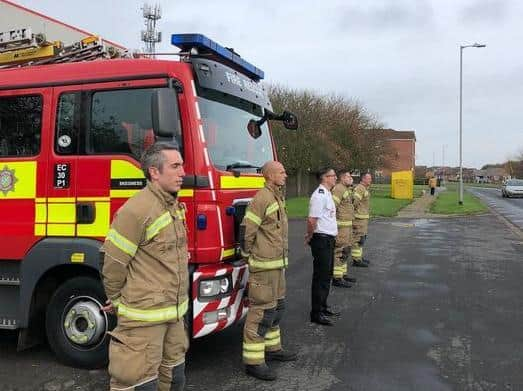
<point>398,58</point>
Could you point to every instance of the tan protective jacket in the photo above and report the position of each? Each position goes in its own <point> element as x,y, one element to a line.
<point>145,271</point>
<point>361,201</point>
<point>264,231</point>
<point>342,196</point>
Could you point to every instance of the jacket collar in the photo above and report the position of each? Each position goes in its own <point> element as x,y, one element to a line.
<point>167,199</point>
<point>276,190</point>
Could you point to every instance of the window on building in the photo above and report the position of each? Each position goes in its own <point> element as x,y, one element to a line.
<point>20,125</point>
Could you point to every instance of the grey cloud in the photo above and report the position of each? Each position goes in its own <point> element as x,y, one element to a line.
<point>485,11</point>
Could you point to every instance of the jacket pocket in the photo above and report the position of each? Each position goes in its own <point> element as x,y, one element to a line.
<point>128,363</point>
<point>260,291</point>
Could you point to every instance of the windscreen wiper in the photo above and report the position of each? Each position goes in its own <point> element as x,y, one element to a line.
<point>236,165</point>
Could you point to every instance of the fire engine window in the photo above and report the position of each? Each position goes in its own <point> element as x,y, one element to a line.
<point>67,123</point>
<point>20,125</point>
<point>121,122</point>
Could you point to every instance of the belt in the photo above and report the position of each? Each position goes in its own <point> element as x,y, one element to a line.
<point>323,235</point>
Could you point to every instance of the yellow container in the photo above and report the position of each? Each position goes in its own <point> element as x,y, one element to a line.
<point>402,185</point>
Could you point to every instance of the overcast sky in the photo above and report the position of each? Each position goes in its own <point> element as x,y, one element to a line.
<point>398,58</point>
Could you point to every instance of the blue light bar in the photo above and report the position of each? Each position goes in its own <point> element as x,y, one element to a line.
<point>187,41</point>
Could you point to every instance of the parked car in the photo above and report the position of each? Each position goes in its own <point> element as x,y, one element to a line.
<point>512,188</point>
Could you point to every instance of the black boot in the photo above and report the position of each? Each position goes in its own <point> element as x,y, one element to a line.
<point>178,380</point>
<point>349,279</point>
<point>261,371</point>
<point>281,355</point>
<point>321,320</point>
<point>340,283</point>
<point>149,386</point>
<point>359,264</point>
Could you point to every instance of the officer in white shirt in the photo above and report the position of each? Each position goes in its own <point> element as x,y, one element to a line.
<point>321,236</point>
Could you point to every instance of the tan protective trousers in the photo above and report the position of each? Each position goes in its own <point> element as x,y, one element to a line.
<point>359,230</point>
<point>261,332</point>
<point>343,244</point>
<point>138,355</point>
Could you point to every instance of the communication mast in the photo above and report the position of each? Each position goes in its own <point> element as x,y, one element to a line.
<point>150,36</point>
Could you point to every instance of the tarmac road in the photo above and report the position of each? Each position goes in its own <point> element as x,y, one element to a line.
<point>440,308</point>
<point>510,208</point>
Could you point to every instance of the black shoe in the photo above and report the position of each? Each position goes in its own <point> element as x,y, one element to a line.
<point>329,312</point>
<point>322,320</point>
<point>281,355</point>
<point>359,264</point>
<point>349,279</point>
<point>340,283</point>
<point>262,372</point>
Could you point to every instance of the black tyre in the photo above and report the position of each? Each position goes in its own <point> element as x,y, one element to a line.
<point>76,327</point>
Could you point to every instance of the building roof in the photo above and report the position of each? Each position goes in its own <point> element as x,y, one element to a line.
<point>391,134</point>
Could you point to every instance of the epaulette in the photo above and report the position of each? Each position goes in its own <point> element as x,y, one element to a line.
<point>321,191</point>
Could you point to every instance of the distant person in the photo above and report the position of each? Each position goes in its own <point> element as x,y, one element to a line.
<point>321,236</point>
<point>433,182</point>
<point>342,196</point>
<point>360,225</point>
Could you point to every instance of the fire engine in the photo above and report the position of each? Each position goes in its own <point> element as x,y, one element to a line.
<point>71,135</point>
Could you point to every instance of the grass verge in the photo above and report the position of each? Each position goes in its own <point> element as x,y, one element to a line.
<point>447,203</point>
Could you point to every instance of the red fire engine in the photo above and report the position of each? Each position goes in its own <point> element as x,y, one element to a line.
<point>71,135</point>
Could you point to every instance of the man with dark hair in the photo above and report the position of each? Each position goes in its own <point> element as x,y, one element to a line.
<point>360,225</point>
<point>264,242</point>
<point>145,277</point>
<point>342,196</point>
<point>321,235</point>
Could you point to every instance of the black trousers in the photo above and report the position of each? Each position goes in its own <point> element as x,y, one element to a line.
<point>432,189</point>
<point>322,247</point>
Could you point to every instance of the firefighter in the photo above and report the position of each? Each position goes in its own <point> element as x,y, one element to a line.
<point>432,184</point>
<point>264,243</point>
<point>360,225</point>
<point>145,276</point>
<point>321,236</point>
<point>342,196</point>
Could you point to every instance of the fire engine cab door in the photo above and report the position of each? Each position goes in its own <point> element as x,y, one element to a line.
<point>102,130</point>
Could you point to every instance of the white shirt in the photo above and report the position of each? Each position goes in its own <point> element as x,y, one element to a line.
<point>322,207</point>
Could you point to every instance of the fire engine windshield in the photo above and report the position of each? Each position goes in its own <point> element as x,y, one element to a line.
<point>229,143</point>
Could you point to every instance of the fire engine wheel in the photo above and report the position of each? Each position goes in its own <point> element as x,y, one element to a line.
<point>76,327</point>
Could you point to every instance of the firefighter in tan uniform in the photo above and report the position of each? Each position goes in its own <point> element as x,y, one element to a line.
<point>342,196</point>
<point>264,242</point>
<point>145,276</point>
<point>360,225</point>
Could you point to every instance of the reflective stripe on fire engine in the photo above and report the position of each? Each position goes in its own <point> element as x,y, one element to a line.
<point>254,350</point>
<point>269,265</point>
<point>251,216</point>
<point>227,253</point>
<point>161,222</point>
<point>156,315</point>
<point>346,223</point>
<point>272,338</point>
<point>241,182</point>
<point>122,242</point>
<point>361,217</point>
<point>272,208</point>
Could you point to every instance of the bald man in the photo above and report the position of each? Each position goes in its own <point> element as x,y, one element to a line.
<point>264,243</point>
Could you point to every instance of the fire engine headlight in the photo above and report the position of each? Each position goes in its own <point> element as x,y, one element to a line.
<point>215,287</point>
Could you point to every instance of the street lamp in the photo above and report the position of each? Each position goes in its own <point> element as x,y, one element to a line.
<point>475,45</point>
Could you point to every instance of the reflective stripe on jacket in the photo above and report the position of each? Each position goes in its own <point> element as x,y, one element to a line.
<point>144,269</point>
<point>264,231</point>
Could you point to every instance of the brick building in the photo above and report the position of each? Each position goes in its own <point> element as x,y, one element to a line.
<point>401,151</point>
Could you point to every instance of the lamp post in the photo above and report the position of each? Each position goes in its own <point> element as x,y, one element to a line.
<point>475,45</point>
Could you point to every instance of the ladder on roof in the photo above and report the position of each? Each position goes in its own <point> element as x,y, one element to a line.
<point>21,47</point>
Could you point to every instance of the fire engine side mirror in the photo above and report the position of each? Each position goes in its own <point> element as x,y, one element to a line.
<point>165,114</point>
<point>290,121</point>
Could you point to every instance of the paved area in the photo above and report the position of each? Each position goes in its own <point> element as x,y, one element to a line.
<point>420,207</point>
<point>510,208</point>
<point>440,308</point>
